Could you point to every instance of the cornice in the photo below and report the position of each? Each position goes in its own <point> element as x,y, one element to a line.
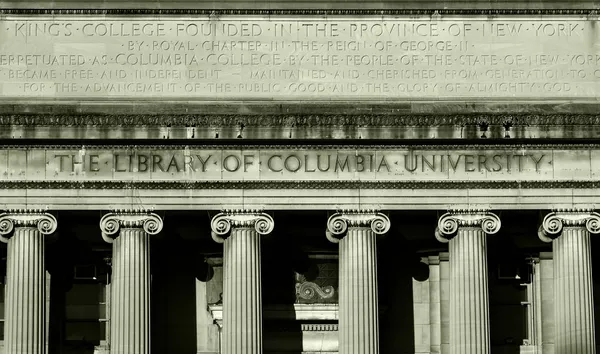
<point>510,145</point>
<point>297,120</point>
<point>305,184</point>
<point>300,12</point>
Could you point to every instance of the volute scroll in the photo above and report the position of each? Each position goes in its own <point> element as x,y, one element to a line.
<point>554,222</point>
<point>45,222</point>
<point>449,223</point>
<point>222,223</point>
<point>111,223</point>
<point>338,223</point>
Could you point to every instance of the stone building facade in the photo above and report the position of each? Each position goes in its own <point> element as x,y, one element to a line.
<point>310,177</point>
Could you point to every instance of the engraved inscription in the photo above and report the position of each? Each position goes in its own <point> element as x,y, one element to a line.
<point>299,163</point>
<point>303,58</point>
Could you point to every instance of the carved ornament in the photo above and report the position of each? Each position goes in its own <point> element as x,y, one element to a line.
<point>449,223</point>
<point>298,121</point>
<point>111,223</point>
<point>338,223</point>
<point>304,184</point>
<point>312,291</point>
<point>222,223</point>
<point>553,222</point>
<point>38,218</point>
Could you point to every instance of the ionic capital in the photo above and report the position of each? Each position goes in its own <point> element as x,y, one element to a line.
<point>449,223</point>
<point>111,223</point>
<point>38,218</point>
<point>338,223</point>
<point>554,222</point>
<point>222,223</point>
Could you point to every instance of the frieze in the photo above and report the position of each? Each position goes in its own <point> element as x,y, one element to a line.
<point>298,120</point>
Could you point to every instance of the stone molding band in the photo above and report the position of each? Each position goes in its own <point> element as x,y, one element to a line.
<point>306,184</point>
<point>111,223</point>
<point>45,222</point>
<point>306,12</point>
<point>296,120</point>
<point>553,222</point>
<point>222,223</point>
<point>338,223</point>
<point>449,223</point>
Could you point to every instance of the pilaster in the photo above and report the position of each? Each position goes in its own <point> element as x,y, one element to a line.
<point>129,232</point>
<point>465,232</point>
<point>240,231</point>
<point>25,306</point>
<point>569,232</point>
<point>355,232</point>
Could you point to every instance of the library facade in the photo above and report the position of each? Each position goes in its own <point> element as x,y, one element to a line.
<point>376,179</point>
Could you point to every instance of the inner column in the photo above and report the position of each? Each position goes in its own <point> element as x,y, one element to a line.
<point>242,295</point>
<point>25,307</point>
<point>358,294</point>
<point>130,282</point>
<point>569,231</point>
<point>469,293</point>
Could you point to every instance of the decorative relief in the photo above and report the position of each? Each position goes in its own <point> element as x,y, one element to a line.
<point>553,222</point>
<point>319,283</point>
<point>222,223</point>
<point>306,184</point>
<point>111,223</point>
<point>338,223</point>
<point>298,120</point>
<point>308,290</point>
<point>45,222</point>
<point>449,223</point>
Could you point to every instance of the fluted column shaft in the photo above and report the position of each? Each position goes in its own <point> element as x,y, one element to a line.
<point>466,232</point>
<point>569,231</point>
<point>358,311</point>
<point>25,305</point>
<point>25,308</point>
<point>240,231</point>
<point>356,232</point>
<point>573,292</point>
<point>242,301</point>
<point>129,232</point>
<point>469,296</point>
<point>130,293</point>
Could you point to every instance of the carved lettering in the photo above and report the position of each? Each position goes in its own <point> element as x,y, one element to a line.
<point>269,58</point>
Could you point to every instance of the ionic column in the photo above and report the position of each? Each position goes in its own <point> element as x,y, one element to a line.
<point>569,232</point>
<point>240,233</point>
<point>25,307</point>
<point>465,232</point>
<point>355,231</point>
<point>129,232</point>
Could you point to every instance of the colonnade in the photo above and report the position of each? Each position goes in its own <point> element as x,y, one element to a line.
<point>355,232</point>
